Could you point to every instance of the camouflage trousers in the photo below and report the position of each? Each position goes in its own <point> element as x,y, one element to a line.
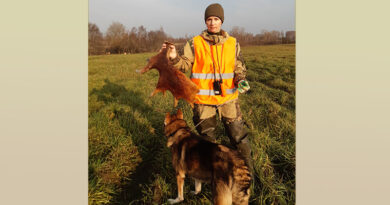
<point>205,121</point>
<point>230,113</point>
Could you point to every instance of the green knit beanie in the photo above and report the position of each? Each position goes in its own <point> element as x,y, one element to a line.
<point>214,10</point>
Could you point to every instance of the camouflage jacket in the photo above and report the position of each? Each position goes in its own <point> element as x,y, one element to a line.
<point>185,62</point>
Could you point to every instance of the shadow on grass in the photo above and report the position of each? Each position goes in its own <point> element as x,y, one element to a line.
<point>146,135</point>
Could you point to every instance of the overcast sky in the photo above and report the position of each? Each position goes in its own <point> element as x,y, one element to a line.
<point>185,17</point>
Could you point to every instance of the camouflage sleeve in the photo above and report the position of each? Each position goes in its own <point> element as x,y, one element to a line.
<point>184,62</point>
<point>240,69</point>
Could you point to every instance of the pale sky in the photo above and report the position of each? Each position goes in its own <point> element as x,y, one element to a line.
<point>186,17</point>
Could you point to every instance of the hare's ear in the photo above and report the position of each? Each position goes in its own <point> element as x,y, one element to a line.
<point>169,50</point>
<point>170,141</point>
<point>168,47</point>
<point>179,114</point>
<point>167,119</point>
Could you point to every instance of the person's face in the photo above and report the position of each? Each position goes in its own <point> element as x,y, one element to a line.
<point>213,24</point>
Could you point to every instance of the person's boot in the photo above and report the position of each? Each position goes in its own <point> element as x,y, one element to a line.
<point>245,150</point>
<point>238,137</point>
<point>206,128</point>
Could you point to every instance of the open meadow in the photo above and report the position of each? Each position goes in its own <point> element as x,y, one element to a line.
<point>129,162</point>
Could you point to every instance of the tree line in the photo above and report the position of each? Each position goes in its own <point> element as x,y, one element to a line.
<point>264,38</point>
<point>119,40</point>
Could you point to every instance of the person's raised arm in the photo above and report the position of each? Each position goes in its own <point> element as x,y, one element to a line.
<point>184,62</point>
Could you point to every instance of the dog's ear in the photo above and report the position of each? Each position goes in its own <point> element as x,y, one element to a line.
<point>167,119</point>
<point>179,114</point>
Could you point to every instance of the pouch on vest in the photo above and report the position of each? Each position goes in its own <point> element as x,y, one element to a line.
<point>217,87</point>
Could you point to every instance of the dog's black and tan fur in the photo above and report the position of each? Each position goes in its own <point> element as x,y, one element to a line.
<point>205,161</point>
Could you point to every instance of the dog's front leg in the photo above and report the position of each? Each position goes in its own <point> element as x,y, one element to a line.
<point>180,186</point>
<point>198,187</point>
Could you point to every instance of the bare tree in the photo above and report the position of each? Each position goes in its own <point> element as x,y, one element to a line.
<point>116,37</point>
<point>95,40</point>
<point>243,37</point>
<point>271,37</point>
<point>140,40</point>
<point>142,35</point>
<point>290,37</point>
<point>156,39</point>
<point>133,41</point>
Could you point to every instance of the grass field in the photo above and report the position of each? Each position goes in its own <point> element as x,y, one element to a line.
<point>129,162</point>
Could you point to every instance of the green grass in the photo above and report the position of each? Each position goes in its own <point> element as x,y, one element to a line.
<point>129,162</point>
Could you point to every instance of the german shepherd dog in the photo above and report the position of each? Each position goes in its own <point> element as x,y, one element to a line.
<point>205,161</point>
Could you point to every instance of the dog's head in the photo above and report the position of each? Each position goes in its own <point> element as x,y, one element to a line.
<point>172,124</point>
<point>170,118</point>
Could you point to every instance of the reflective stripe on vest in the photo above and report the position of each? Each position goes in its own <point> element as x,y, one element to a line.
<point>218,58</point>
<point>211,75</point>
<point>211,92</point>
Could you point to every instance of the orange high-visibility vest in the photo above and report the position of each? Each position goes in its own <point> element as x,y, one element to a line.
<point>210,58</point>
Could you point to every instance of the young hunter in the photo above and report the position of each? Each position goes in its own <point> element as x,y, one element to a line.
<point>218,70</point>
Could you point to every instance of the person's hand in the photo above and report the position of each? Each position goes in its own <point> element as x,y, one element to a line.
<point>243,86</point>
<point>172,53</point>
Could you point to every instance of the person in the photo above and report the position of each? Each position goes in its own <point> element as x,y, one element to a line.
<point>217,68</point>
